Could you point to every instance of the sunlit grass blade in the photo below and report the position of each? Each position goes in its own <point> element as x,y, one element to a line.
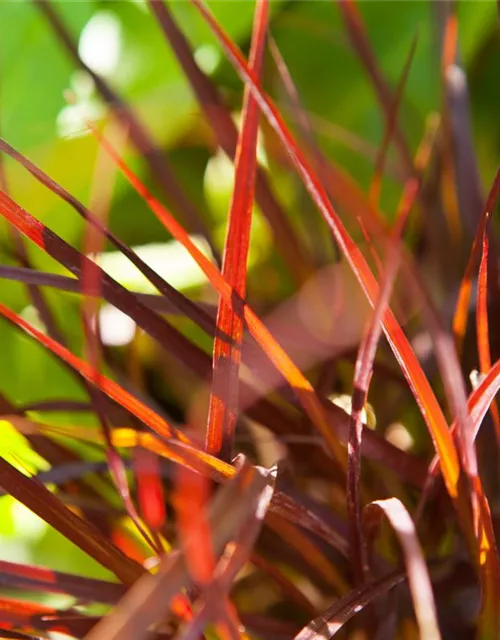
<point>331,621</point>
<point>223,407</point>
<point>40,579</point>
<point>203,312</point>
<point>42,502</point>
<point>152,155</point>
<point>418,576</point>
<point>172,296</point>
<point>461,315</point>
<point>482,324</point>
<point>219,117</point>
<point>227,569</point>
<point>405,356</point>
<point>290,372</point>
<point>363,370</point>
<point>151,597</point>
<point>167,337</point>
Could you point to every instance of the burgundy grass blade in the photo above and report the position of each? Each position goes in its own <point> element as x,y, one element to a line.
<point>390,126</point>
<point>153,156</point>
<point>331,621</point>
<point>151,597</point>
<point>366,357</point>
<point>42,502</point>
<point>416,378</point>
<point>203,312</point>
<point>223,407</point>
<point>219,118</point>
<point>228,568</point>
<point>361,44</point>
<point>31,578</point>
<point>172,295</point>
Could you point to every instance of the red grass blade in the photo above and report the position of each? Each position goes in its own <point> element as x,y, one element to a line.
<point>172,296</point>
<point>482,325</point>
<point>219,117</point>
<point>150,488</point>
<point>150,598</point>
<point>291,373</point>
<point>228,568</point>
<point>412,370</point>
<point>418,576</point>
<point>461,316</point>
<point>223,408</point>
<point>31,578</point>
<point>366,358</point>
<point>42,502</point>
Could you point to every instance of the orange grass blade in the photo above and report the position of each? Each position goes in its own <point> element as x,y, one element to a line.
<point>223,408</point>
<point>405,356</point>
<point>366,357</point>
<point>482,325</point>
<point>461,315</point>
<point>118,394</point>
<point>291,373</point>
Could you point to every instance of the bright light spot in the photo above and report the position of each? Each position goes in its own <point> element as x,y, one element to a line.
<point>219,175</point>
<point>27,524</point>
<point>71,121</point>
<point>344,401</point>
<point>31,315</point>
<point>100,43</point>
<point>398,435</point>
<point>140,4</point>
<point>207,57</point>
<point>170,260</point>
<point>15,550</point>
<point>117,329</point>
